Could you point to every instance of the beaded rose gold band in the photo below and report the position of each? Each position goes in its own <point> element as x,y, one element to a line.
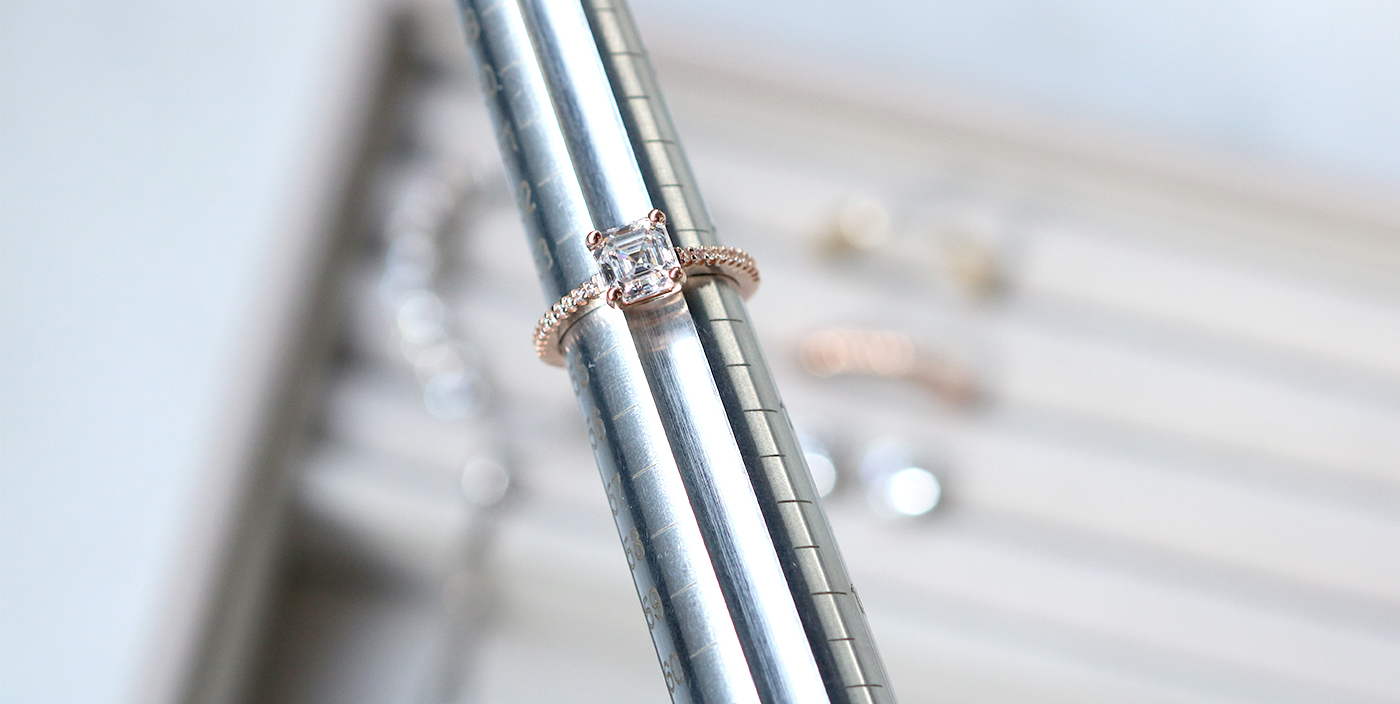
<point>730,262</point>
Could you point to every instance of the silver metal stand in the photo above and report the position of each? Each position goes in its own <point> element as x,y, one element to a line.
<point>739,576</point>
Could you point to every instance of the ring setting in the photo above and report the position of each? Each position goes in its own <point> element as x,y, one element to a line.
<point>637,264</point>
<point>637,261</point>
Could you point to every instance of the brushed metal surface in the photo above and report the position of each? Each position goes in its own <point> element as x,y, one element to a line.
<point>827,601</point>
<point>736,561</point>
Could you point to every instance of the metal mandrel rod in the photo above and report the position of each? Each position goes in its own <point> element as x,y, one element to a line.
<point>739,576</point>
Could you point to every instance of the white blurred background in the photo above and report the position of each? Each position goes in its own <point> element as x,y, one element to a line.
<point>163,163</point>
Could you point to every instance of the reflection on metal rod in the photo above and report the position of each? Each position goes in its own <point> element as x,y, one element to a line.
<point>739,577</point>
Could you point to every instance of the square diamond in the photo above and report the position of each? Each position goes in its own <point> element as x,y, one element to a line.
<point>637,258</point>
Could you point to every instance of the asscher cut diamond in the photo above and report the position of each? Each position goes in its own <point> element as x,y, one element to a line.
<point>636,259</point>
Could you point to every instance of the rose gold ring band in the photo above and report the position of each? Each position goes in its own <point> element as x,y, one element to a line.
<point>730,262</point>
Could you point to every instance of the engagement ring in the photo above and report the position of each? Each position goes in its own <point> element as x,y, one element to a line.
<point>638,264</point>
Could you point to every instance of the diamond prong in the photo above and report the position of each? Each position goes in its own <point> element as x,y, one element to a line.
<point>676,273</point>
<point>614,295</point>
<point>593,239</point>
<point>657,217</point>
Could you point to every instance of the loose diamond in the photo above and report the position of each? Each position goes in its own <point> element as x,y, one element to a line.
<point>637,259</point>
